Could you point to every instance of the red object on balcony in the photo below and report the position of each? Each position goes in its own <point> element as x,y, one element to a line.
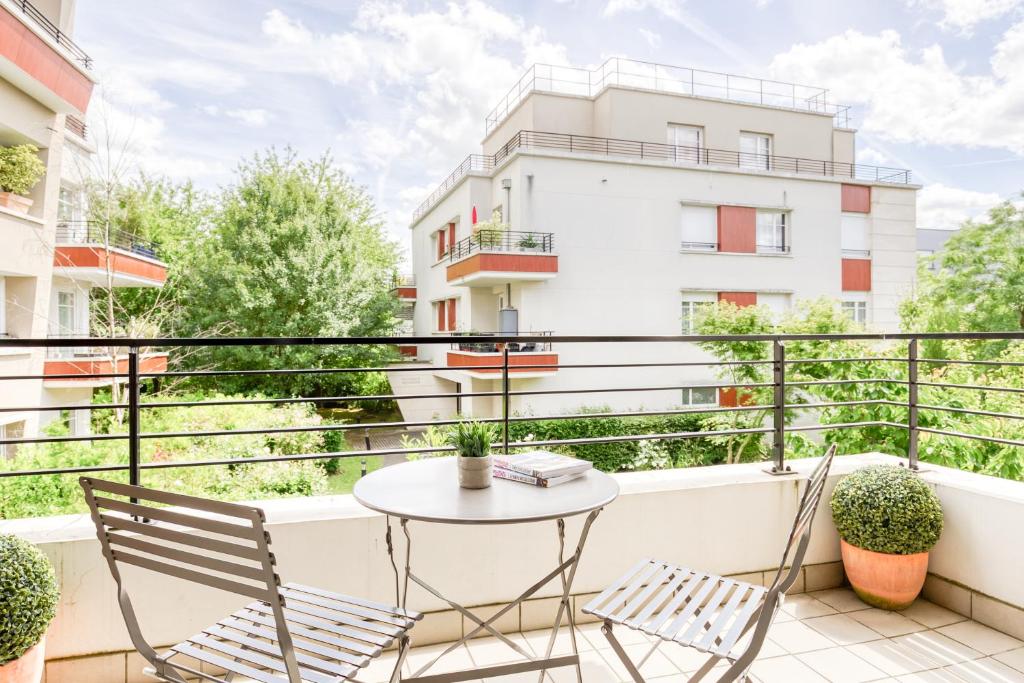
<point>737,229</point>
<point>856,275</point>
<point>857,198</point>
<point>474,215</point>
<point>100,365</point>
<point>407,350</point>
<point>128,269</point>
<point>739,298</point>
<point>20,47</point>
<point>457,359</point>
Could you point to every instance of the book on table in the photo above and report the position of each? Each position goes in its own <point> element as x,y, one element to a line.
<point>542,464</point>
<point>511,475</point>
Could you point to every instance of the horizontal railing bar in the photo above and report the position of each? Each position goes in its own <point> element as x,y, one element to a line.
<point>72,376</point>
<point>838,425</point>
<point>978,437</point>
<point>997,363</point>
<point>823,382</point>
<point>744,385</point>
<point>805,361</point>
<point>839,404</point>
<point>63,439</point>
<point>310,371</point>
<point>968,411</point>
<point>86,406</point>
<point>311,399</point>
<point>945,385</point>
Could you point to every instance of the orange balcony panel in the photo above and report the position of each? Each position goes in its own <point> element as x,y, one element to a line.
<point>484,269</point>
<point>408,293</point>
<point>98,365</point>
<point>26,54</point>
<point>856,275</point>
<point>407,350</point>
<point>516,361</point>
<point>129,270</point>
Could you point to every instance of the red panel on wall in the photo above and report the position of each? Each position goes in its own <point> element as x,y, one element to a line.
<point>856,275</point>
<point>440,305</point>
<point>451,314</point>
<point>451,236</point>
<point>739,298</point>
<point>737,229</point>
<point>729,398</point>
<point>38,59</point>
<point>442,244</point>
<point>857,198</point>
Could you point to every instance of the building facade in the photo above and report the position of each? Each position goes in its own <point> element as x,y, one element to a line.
<point>52,256</point>
<point>633,195</point>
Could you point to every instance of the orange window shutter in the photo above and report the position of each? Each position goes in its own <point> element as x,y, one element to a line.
<point>440,316</point>
<point>856,198</point>
<point>451,236</point>
<point>440,244</point>
<point>451,314</point>
<point>737,229</point>
<point>739,298</point>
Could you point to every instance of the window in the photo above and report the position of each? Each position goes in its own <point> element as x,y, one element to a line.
<point>687,141</point>
<point>771,232</point>
<point>11,430</point>
<point>700,228</point>
<point>755,151</point>
<point>444,315</point>
<point>857,311</point>
<point>777,302</point>
<point>441,243</point>
<point>70,204</point>
<point>700,396</point>
<point>854,235</point>
<point>66,313</point>
<point>694,303</point>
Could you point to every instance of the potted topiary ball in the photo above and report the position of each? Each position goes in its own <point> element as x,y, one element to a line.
<point>472,441</point>
<point>888,520</point>
<point>28,602</point>
<point>20,170</point>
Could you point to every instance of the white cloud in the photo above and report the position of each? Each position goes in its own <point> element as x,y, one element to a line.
<point>256,118</point>
<point>916,96</point>
<point>872,156</point>
<point>941,206</point>
<point>964,15</point>
<point>653,39</point>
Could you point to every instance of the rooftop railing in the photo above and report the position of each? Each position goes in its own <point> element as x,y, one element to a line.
<point>683,156</point>
<point>632,73</point>
<point>782,394</point>
<point>503,241</point>
<point>90,232</point>
<point>49,28</point>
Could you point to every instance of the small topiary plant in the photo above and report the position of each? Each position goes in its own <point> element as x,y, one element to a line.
<point>20,168</point>
<point>28,596</point>
<point>472,439</point>
<point>887,509</point>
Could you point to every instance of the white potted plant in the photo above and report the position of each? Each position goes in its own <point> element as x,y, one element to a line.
<point>20,170</point>
<point>28,602</point>
<point>472,441</point>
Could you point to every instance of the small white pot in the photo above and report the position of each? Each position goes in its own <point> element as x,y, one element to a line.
<point>475,473</point>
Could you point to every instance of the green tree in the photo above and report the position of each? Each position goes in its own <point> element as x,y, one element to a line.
<point>294,250</point>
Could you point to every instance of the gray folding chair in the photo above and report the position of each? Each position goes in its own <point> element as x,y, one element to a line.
<point>289,634</point>
<point>708,613</point>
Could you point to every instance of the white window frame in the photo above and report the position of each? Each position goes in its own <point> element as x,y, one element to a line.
<point>688,394</point>
<point>855,235</point>
<point>685,151</point>
<point>708,232</point>
<point>760,157</point>
<point>690,306</point>
<point>772,232</point>
<point>856,310</point>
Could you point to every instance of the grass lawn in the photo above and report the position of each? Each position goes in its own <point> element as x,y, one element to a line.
<point>348,473</point>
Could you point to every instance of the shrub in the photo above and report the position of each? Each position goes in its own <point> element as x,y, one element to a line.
<point>28,596</point>
<point>20,168</point>
<point>887,509</point>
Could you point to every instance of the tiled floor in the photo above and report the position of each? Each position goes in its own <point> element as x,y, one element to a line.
<point>824,636</point>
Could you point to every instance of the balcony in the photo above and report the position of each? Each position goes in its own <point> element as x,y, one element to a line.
<point>403,287</point>
<point>729,518</point>
<point>86,252</point>
<point>72,367</point>
<point>495,257</point>
<point>485,359</point>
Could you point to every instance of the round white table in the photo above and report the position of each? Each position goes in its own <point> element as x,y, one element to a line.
<point>428,491</point>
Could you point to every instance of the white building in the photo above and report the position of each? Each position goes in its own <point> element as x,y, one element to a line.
<point>634,194</point>
<point>51,257</point>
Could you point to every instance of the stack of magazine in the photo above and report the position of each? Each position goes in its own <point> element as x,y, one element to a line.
<point>539,468</point>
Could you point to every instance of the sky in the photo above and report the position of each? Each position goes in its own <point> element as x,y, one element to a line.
<point>397,91</point>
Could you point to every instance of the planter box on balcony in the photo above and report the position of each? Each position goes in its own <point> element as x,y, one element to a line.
<point>15,202</point>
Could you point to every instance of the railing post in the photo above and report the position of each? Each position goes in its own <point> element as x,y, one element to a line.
<point>912,432</point>
<point>504,398</point>
<point>134,442</point>
<point>779,408</point>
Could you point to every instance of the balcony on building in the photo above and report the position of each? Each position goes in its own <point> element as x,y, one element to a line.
<point>74,367</point>
<point>86,251</point>
<point>403,288</point>
<point>496,257</point>
<point>486,359</point>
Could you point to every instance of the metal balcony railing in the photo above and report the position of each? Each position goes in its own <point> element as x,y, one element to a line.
<point>49,28</point>
<point>93,233</point>
<point>76,126</point>
<point>509,241</point>
<point>403,280</point>
<point>677,80</point>
<point>783,392</point>
<point>680,155</point>
<point>498,344</point>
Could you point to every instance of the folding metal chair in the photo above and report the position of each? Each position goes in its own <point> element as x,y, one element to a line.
<point>706,612</point>
<point>289,634</point>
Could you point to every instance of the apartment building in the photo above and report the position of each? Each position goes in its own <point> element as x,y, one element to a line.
<point>633,195</point>
<point>52,257</point>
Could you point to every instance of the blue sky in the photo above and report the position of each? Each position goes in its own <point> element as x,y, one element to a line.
<point>398,90</point>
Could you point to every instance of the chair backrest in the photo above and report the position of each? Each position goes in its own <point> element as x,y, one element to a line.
<point>800,535</point>
<point>215,544</point>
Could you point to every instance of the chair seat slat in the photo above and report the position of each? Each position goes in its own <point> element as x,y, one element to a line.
<point>253,657</point>
<point>233,568</point>
<point>629,585</point>
<point>727,612</point>
<point>390,625</point>
<point>594,606</point>
<point>197,577</point>
<point>274,650</point>
<point>310,618</point>
<point>324,636</point>
<point>163,533</point>
<point>638,600</point>
<point>179,518</point>
<point>755,601</point>
<point>691,607</point>
<point>657,601</point>
<point>706,612</point>
<point>379,606</point>
<point>300,643</point>
<point>694,579</point>
<point>226,664</point>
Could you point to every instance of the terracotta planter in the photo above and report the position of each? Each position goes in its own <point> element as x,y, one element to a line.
<point>882,580</point>
<point>15,202</point>
<point>475,473</point>
<point>27,668</point>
